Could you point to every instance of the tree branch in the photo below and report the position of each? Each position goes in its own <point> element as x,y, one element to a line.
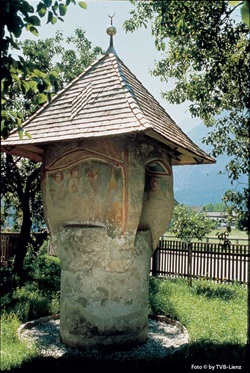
<point>231,11</point>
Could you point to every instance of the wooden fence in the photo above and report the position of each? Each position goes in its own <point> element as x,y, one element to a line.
<point>201,260</point>
<point>8,246</point>
<point>213,239</point>
<point>175,258</point>
<point>9,243</point>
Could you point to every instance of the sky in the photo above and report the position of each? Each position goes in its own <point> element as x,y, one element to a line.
<point>136,50</point>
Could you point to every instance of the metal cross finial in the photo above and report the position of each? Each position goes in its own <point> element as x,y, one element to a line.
<point>111,31</point>
<point>111,17</point>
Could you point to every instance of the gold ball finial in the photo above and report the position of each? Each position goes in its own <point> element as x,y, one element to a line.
<point>111,30</point>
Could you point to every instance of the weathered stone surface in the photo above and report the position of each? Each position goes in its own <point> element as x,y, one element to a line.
<point>106,204</point>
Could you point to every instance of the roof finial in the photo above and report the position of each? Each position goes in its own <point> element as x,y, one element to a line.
<point>111,31</point>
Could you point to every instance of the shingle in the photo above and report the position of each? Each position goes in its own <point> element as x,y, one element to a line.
<point>107,99</point>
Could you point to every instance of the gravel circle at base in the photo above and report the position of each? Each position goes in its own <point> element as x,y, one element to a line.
<point>165,337</point>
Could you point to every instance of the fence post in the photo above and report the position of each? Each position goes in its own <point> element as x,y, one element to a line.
<point>190,263</point>
<point>155,263</point>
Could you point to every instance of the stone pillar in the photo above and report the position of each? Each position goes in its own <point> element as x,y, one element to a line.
<point>106,204</point>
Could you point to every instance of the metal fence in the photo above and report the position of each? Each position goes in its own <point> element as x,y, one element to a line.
<point>223,263</point>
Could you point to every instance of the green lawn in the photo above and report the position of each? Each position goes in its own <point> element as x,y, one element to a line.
<point>210,311</point>
<point>13,352</point>
<point>215,316</point>
<point>235,234</point>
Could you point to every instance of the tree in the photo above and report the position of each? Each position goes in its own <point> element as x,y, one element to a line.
<point>20,178</point>
<point>16,15</point>
<point>20,185</point>
<point>215,207</point>
<point>206,50</point>
<point>188,225</point>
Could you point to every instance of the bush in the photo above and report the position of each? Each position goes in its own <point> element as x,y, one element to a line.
<point>160,298</point>
<point>8,280</point>
<point>46,271</point>
<point>39,294</point>
<point>29,303</point>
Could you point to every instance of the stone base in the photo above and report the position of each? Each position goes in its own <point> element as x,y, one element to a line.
<point>165,337</point>
<point>123,340</point>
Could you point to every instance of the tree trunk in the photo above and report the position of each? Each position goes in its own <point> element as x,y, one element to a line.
<point>25,195</point>
<point>23,238</point>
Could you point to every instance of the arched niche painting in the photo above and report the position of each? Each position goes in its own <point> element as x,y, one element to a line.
<point>157,199</point>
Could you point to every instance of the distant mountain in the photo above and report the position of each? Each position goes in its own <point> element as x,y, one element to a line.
<point>201,184</point>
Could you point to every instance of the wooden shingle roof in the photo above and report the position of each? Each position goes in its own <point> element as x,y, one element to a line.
<point>105,100</point>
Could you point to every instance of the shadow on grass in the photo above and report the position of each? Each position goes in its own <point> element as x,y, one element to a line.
<point>214,291</point>
<point>200,356</point>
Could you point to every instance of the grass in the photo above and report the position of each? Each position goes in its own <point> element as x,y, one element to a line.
<point>234,235</point>
<point>215,316</point>
<point>14,353</point>
<point>210,311</point>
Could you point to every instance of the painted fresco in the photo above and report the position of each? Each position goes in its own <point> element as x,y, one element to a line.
<point>90,191</point>
<point>156,187</point>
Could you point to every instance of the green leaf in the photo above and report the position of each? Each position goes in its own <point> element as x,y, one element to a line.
<point>20,115</point>
<point>34,30</point>
<point>41,98</point>
<point>62,9</point>
<point>54,74</point>
<point>245,13</point>
<point>32,85</point>
<point>28,135</point>
<point>25,85</point>
<point>4,113</point>
<point>20,132</point>
<point>34,20</point>
<point>47,2</point>
<point>39,74</point>
<point>15,64</point>
<point>41,9</point>
<point>163,46</point>
<point>5,132</point>
<point>55,7</point>
<point>234,2</point>
<point>12,115</point>
<point>83,5</point>
<point>53,20</point>
<point>50,16</point>
<point>19,122</point>
<point>53,77</point>
<point>17,31</point>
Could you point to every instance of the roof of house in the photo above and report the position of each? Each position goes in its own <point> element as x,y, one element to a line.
<point>105,100</point>
<point>197,209</point>
<point>216,214</point>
